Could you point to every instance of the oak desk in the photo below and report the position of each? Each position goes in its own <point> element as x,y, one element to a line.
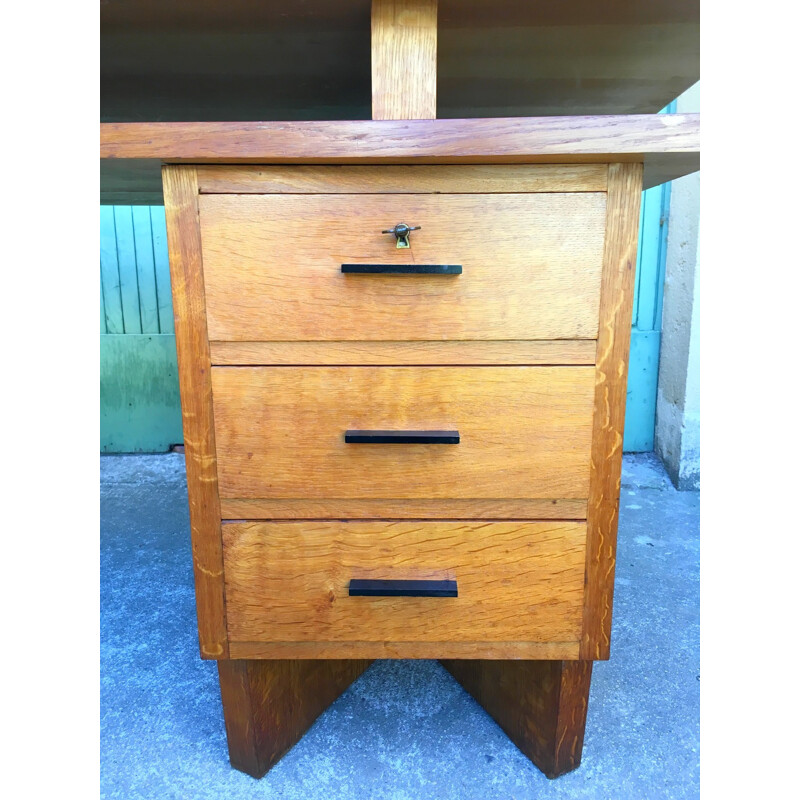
<point>402,346</point>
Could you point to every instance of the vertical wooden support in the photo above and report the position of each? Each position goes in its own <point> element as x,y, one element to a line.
<point>404,39</point>
<point>194,369</point>
<point>616,302</point>
<point>541,705</point>
<point>269,705</point>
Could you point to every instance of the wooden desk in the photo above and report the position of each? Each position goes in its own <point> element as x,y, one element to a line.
<point>403,451</point>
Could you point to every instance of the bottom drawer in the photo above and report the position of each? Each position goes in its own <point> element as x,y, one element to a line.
<point>519,583</point>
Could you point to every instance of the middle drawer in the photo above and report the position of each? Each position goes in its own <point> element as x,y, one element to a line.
<point>525,432</point>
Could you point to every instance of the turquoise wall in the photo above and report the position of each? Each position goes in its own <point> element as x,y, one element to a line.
<point>139,401</point>
<point>139,404</point>
<point>640,411</point>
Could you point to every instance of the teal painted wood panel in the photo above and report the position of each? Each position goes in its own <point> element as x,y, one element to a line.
<point>650,262</point>
<point>158,224</point>
<point>145,268</point>
<point>638,277</point>
<point>640,413</point>
<point>134,270</point>
<point>126,263</point>
<point>109,272</point>
<point>662,254</point>
<point>640,409</point>
<point>103,328</point>
<point>140,409</point>
<point>139,400</point>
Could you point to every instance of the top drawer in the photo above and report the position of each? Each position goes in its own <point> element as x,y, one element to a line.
<point>531,266</point>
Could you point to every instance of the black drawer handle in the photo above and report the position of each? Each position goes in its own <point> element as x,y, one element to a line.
<point>402,437</point>
<point>402,269</point>
<point>389,588</point>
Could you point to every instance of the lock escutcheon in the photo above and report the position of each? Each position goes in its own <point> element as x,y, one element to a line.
<point>401,233</point>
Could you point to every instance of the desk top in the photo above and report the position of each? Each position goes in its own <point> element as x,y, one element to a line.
<point>132,154</point>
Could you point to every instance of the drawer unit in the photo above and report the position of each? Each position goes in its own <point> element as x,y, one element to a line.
<point>523,432</point>
<point>314,353</point>
<point>516,582</point>
<point>530,266</point>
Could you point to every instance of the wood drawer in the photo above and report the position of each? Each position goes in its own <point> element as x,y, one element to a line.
<point>517,581</point>
<point>531,266</point>
<point>525,432</point>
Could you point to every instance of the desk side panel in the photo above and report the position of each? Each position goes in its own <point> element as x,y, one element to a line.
<point>611,378</point>
<point>194,369</point>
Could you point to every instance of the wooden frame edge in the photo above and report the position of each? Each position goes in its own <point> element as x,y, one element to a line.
<point>557,140</point>
<point>611,376</point>
<point>406,179</point>
<point>253,510</point>
<point>543,352</point>
<point>194,368</point>
<point>541,651</point>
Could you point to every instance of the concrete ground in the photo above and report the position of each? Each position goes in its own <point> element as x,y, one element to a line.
<point>405,729</point>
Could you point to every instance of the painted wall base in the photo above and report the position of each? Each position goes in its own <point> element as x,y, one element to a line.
<point>640,408</point>
<point>140,408</point>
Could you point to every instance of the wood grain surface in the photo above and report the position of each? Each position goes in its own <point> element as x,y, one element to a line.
<point>554,352</point>
<point>404,34</point>
<point>531,267</point>
<point>194,373</point>
<point>619,267</point>
<point>541,705</point>
<point>131,153</point>
<point>525,432</point>
<point>338,508</point>
<point>269,705</point>
<point>465,650</point>
<point>409,179</point>
<point>517,581</point>
<point>555,140</point>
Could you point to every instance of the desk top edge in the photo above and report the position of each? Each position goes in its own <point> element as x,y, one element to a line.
<point>132,153</point>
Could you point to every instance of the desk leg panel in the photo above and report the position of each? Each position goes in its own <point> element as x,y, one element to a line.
<point>269,705</point>
<point>541,705</point>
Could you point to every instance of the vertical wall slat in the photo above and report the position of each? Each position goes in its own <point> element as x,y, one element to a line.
<point>638,280</point>
<point>662,253</point>
<point>158,223</point>
<point>648,262</point>
<point>126,260</point>
<point>145,269</point>
<point>109,272</point>
<point>103,326</point>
